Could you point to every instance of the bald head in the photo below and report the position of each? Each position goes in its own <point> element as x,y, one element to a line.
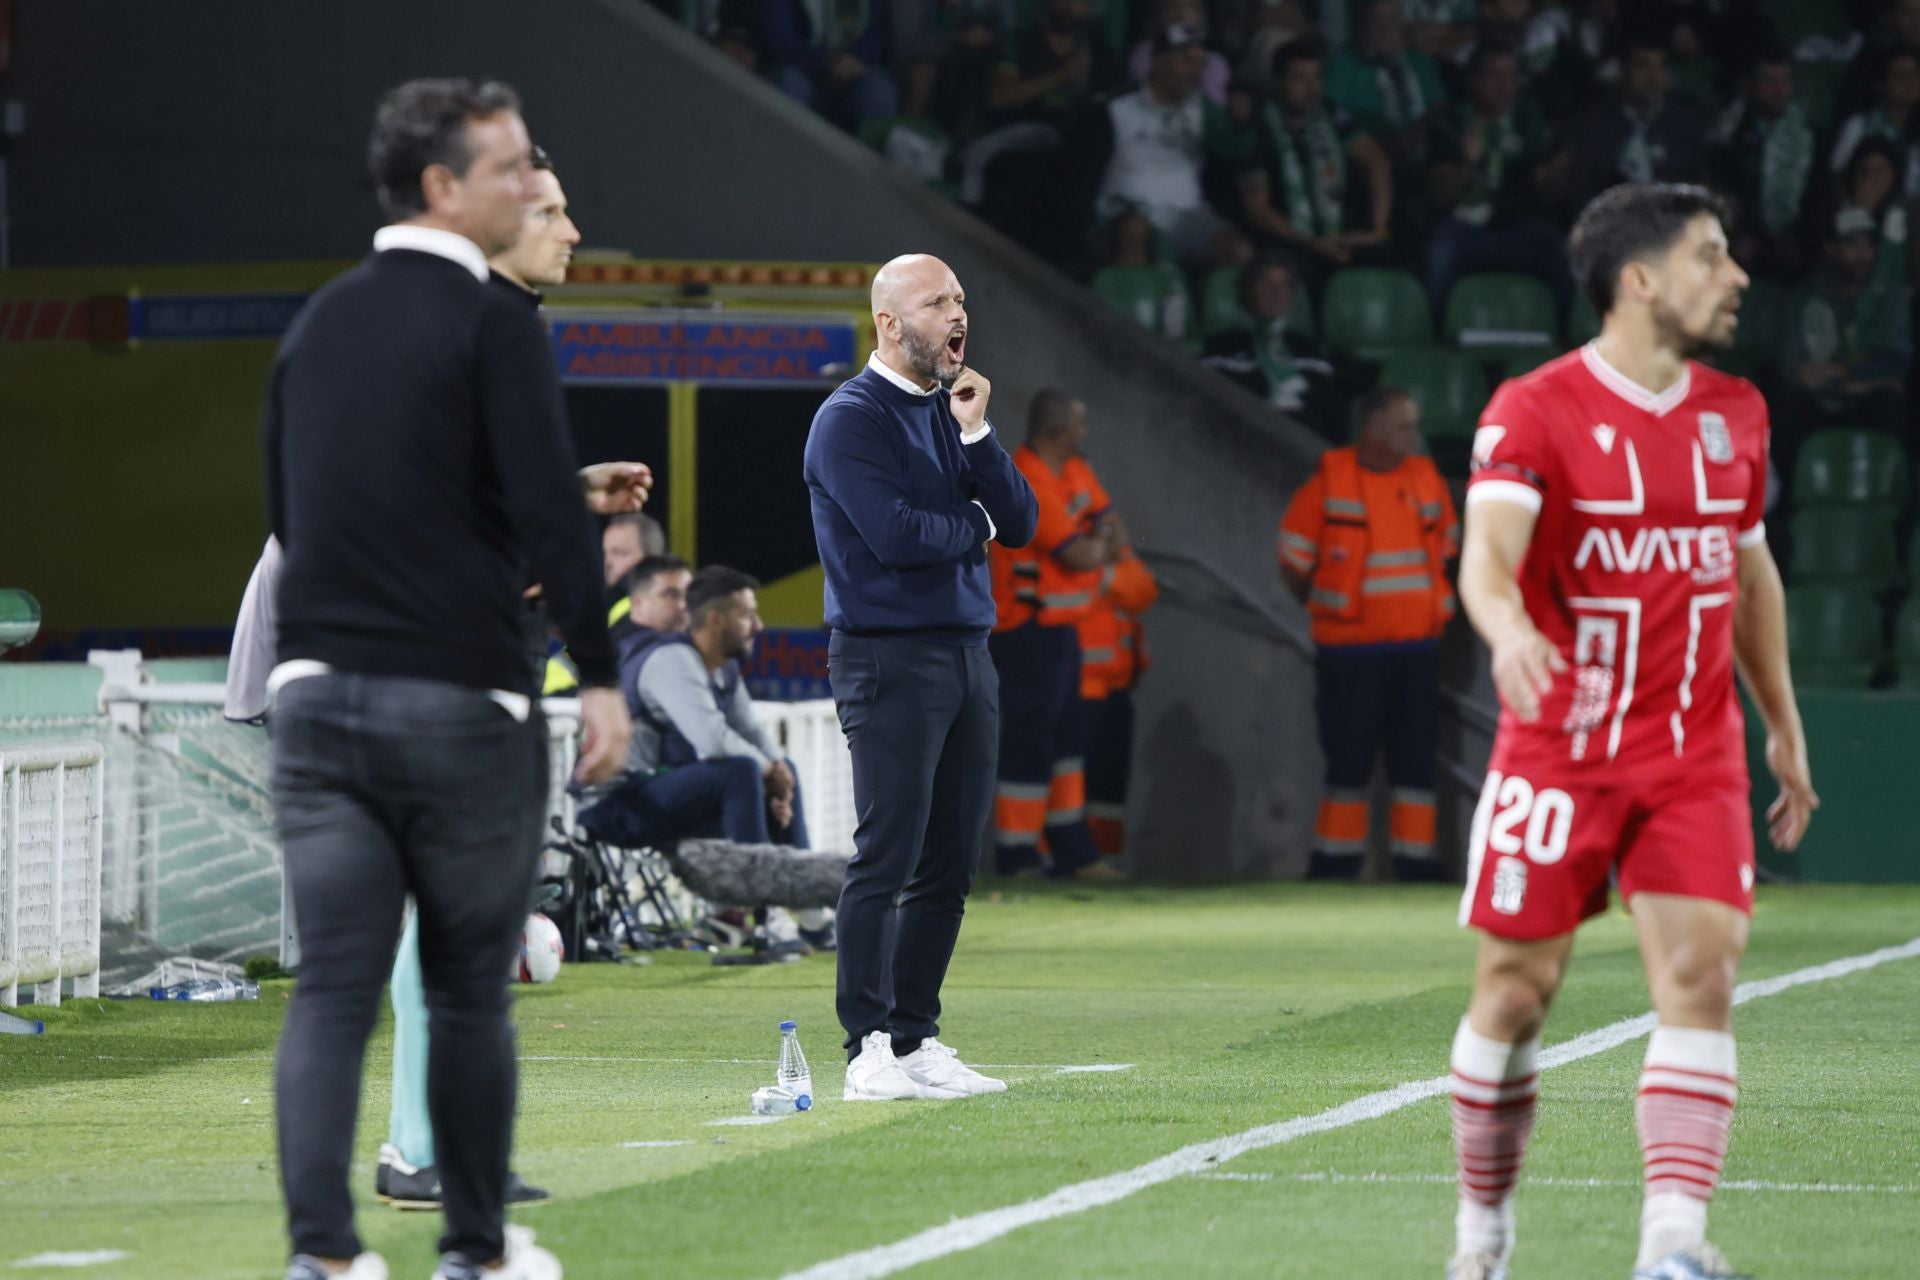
<point>920,318</point>
<point>906,275</point>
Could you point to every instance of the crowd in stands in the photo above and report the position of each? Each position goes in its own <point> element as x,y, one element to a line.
<point>1316,198</point>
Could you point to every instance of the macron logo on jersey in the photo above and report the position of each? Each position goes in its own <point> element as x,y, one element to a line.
<point>1706,553</point>
<point>1603,435</point>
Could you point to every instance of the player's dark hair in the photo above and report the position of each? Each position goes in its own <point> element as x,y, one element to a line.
<point>1370,404</point>
<point>1629,223</point>
<point>422,123</point>
<point>1048,412</point>
<point>1257,266</point>
<point>541,161</point>
<point>713,587</point>
<point>651,567</point>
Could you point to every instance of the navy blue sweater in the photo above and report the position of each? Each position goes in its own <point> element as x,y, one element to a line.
<point>893,489</point>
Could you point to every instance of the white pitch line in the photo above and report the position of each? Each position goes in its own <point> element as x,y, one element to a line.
<point>962,1234</point>
<point>1448,1179</point>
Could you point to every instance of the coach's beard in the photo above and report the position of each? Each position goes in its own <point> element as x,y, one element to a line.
<point>928,359</point>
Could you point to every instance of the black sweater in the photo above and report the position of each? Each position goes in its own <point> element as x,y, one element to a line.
<point>420,477</point>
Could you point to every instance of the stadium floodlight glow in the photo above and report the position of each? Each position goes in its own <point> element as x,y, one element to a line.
<point>19,618</point>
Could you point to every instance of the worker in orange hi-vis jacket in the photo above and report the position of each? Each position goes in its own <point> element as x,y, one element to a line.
<point>1042,592</point>
<point>1365,543</point>
<point>1112,657</point>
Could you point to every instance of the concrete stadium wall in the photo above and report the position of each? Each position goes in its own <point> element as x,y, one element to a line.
<point>230,130</point>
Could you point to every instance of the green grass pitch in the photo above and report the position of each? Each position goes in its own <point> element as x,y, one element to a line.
<point>148,1128</point>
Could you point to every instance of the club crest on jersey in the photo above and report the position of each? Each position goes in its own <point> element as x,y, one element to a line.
<point>1715,439</point>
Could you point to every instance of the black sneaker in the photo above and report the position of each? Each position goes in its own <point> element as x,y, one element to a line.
<point>397,1183</point>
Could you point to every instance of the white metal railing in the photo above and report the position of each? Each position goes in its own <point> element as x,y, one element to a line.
<point>153,848</point>
<point>52,802</point>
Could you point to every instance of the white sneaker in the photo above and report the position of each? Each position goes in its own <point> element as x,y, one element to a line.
<point>524,1260</point>
<point>877,1076</point>
<point>935,1066</point>
<point>1476,1266</point>
<point>368,1266</point>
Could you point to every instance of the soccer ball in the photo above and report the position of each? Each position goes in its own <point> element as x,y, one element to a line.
<point>541,950</point>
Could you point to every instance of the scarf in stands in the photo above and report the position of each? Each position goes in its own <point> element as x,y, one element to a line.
<point>1313,168</point>
<point>1286,383</point>
<point>838,23</point>
<point>1786,158</point>
<point>1499,143</point>
<point>1402,100</point>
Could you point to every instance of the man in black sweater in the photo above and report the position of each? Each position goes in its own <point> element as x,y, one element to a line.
<point>908,484</point>
<point>419,477</point>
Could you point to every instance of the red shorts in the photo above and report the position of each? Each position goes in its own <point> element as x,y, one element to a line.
<point>1540,858</point>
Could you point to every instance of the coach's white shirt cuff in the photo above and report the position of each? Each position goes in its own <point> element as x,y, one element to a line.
<point>978,434</point>
<point>993,530</point>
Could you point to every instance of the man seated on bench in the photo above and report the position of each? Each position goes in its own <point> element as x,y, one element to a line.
<point>701,762</point>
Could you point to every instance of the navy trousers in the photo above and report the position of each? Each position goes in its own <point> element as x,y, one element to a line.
<point>1044,726</point>
<point>725,797</point>
<point>922,720</point>
<point>1367,697</point>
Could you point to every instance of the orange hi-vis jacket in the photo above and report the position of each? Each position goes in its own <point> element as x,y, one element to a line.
<point>1031,584</point>
<point>1375,544</point>
<point>1111,652</point>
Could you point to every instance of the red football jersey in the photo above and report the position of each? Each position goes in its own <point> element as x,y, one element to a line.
<point>1642,500</point>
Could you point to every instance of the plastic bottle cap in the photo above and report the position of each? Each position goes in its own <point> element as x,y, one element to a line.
<point>803,1103</point>
<point>789,1025</point>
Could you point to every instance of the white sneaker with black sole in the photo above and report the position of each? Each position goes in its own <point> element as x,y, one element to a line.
<point>877,1076</point>
<point>524,1260</point>
<point>935,1066</point>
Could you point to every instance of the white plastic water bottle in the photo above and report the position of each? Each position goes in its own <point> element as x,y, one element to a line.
<point>793,1076</point>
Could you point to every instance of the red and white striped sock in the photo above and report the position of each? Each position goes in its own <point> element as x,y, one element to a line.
<point>1495,1087</point>
<point>1687,1091</point>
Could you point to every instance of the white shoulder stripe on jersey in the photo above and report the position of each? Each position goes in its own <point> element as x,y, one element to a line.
<point>1752,537</point>
<point>1521,495</point>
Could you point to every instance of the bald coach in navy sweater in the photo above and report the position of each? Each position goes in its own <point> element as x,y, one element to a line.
<point>909,486</point>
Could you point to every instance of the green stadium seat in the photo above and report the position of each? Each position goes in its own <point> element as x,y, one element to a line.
<point>1794,21</point>
<point>1844,545</point>
<point>1525,362</point>
<point>1583,322</point>
<point>1497,314</point>
<point>1155,296</point>
<point>1446,384</point>
<point>1369,311</point>
<point>1850,468</point>
<point>1906,644</point>
<point>1220,306</point>
<point>1833,636</point>
<point>1766,317</point>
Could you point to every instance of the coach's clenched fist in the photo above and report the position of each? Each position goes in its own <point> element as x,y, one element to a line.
<point>970,392</point>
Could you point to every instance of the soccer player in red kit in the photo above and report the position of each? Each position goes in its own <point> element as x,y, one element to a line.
<point>1616,565</point>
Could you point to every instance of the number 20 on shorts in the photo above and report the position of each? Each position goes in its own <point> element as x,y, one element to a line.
<point>1520,820</point>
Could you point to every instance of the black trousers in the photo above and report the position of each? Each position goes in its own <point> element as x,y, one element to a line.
<point>923,722</point>
<point>385,787</point>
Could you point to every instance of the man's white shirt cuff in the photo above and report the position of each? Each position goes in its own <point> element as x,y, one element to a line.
<point>978,434</point>
<point>993,530</point>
